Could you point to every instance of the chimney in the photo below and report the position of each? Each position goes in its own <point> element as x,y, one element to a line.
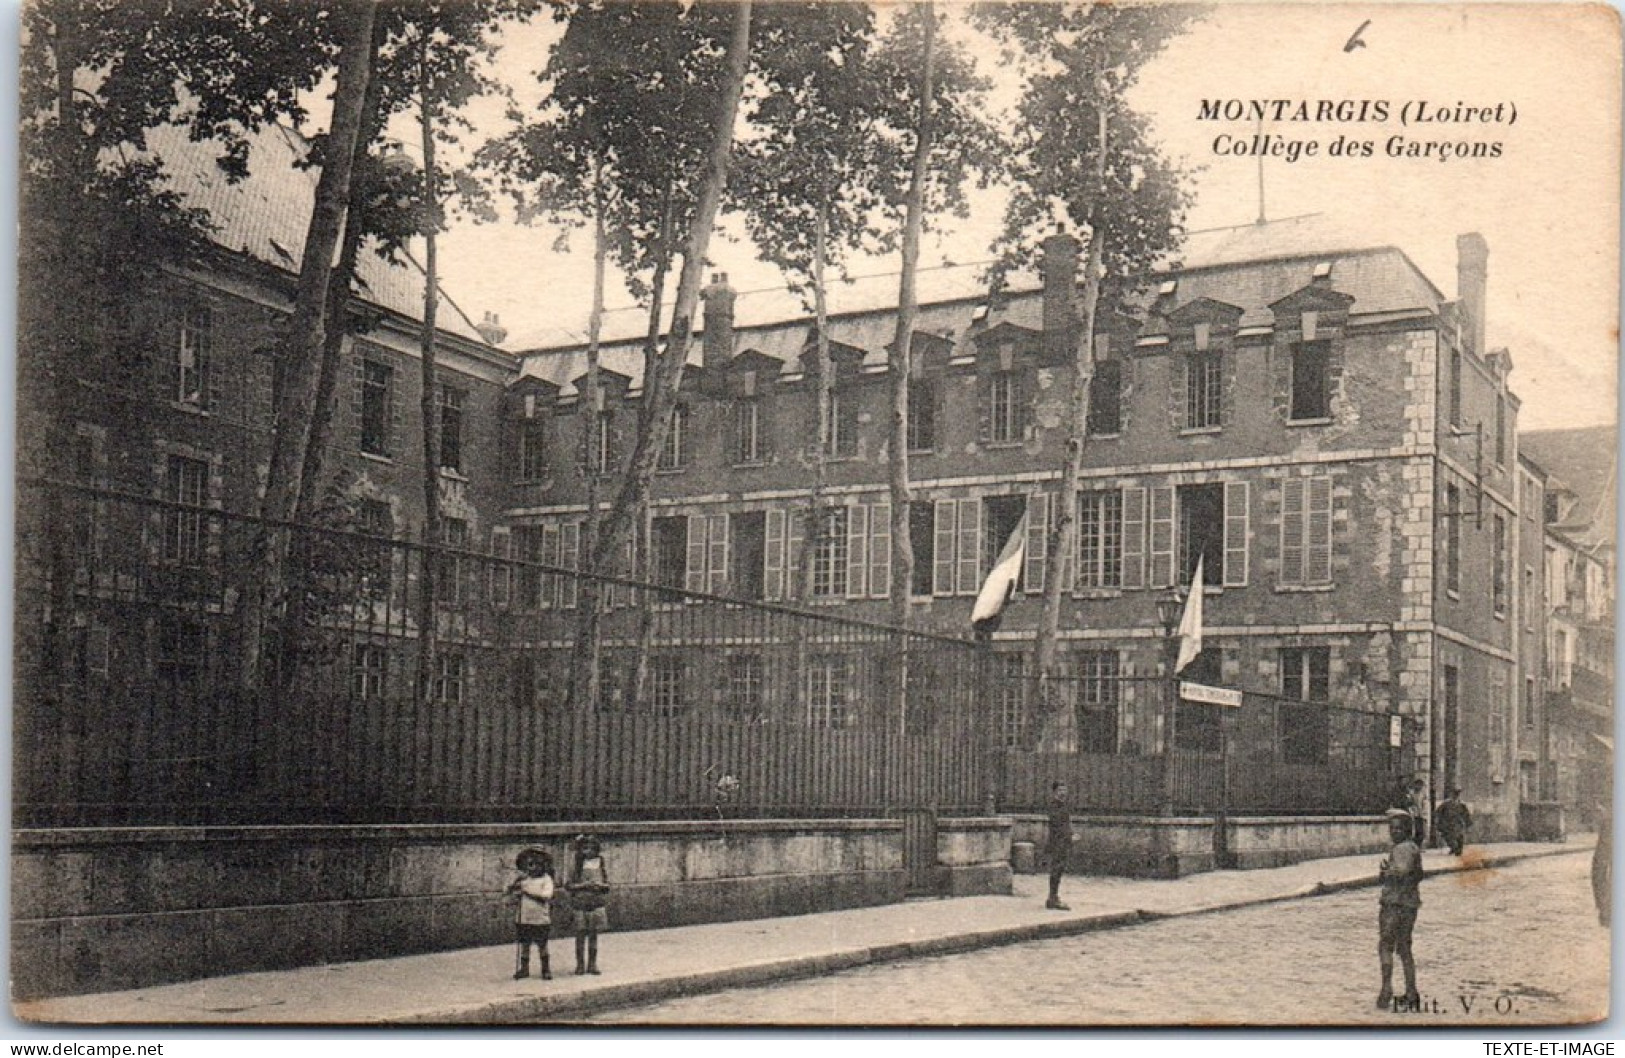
<point>719,321</point>
<point>1472,274</point>
<point>1059,265</point>
<point>492,330</point>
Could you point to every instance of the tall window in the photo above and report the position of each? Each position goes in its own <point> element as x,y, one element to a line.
<point>829,690</point>
<point>375,411</point>
<point>532,449</point>
<point>1306,531</point>
<point>186,489</point>
<point>748,430</point>
<point>192,355</point>
<point>450,675</point>
<point>1499,586</point>
<point>1097,701</point>
<point>1302,717</point>
<point>376,556</point>
<point>451,428</point>
<point>744,699</point>
<point>1203,386</point>
<point>598,444</point>
<point>1311,380</point>
<point>1529,703</point>
<point>922,415</point>
<point>452,572</point>
<point>747,532</point>
<point>1005,423</point>
<point>1501,428</point>
<point>1196,726</point>
<point>1452,538</point>
<point>1100,539</point>
<point>922,539</point>
<point>669,549</point>
<point>674,452</point>
<point>1001,516</point>
<point>841,427</point>
<point>1201,532</point>
<point>1106,399</point>
<point>367,674</point>
<point>666,685</point>
<point>1010,699</point>
<point>830,554</point>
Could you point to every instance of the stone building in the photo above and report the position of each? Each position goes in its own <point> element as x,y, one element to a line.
<point>1312,417</point>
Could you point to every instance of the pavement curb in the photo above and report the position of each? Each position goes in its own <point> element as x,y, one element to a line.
<point>563,1008</point>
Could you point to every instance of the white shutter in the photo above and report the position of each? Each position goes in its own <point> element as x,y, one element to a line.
<point>879,550</point>
<point>773,556</point>
<point>857,551</point>
<point>569,558</point>
<point>1134,538</point>
<point>694,558</point>
<point>1162,537</point>
<point>1318,532</point>
<point>968,568</point>
<point>1292,520</point>
<point>1235,534</point>
<point>944,535</point>
<point>622,594</point>
<point>1036,560</point>
<point>795,534</point>
<point>716,571</point>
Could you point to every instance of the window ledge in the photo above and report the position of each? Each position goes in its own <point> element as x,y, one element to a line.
<point>749,463</point>
<point>1097,593</point>
<point>191,408</point>
<point>1303,589</point>
<point>922,451</point>
<point>1200,431</point>
<point>453,473</point>
<point>1318,420</point>
<point>1105,436</point>
<point>669,471</point>
<point>377,457</point>
<point>1005,444</point>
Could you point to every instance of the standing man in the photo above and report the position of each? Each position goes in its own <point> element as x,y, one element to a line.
<point>1401,876</point>
<point>1451,821</point>
<point>1059,846</point>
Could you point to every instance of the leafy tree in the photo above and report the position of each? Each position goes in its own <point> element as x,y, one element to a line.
<point>1080,152</point>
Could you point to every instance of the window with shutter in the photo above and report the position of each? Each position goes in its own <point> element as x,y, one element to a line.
<point>1100,539</point>
<point>795,533</point>
<point>1317,550</point>
<point>879,550</point>
<point>773,555</point>
<point>945,533</point>
<point>1235,534</point>
<point>857,551</point>
<point>967,574</point>
<point>569,558</point>
<point>1162,537</point>
<point>694,558</point>
<point>1036,559</point>
<point>1292,523</point>
<point>717,544</point>
<point>1134,538</point>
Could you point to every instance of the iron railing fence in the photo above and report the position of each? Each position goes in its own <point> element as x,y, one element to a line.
<point>133,706</point>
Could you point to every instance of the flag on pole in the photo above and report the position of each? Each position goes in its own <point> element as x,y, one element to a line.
<point>1002,577</point>
<point>1190,622</point>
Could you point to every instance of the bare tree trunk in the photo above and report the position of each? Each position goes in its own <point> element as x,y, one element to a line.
<point>429,391</point>
<point>305,337</point>
<point>663,392</point>
<point>1063,527</point>
<point>822,433</point>
<point>902,551</point>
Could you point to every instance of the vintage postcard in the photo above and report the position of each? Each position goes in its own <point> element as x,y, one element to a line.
<point>815,514</point>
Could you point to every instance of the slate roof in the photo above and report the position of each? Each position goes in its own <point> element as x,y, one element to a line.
<point>265,216</point>
<point>1251,267</point>
<point>1585,460</point>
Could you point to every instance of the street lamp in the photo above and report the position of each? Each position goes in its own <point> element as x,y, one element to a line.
<point>1170,607</point>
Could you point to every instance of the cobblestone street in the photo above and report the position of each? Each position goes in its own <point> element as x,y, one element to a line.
<point>1519,944</point>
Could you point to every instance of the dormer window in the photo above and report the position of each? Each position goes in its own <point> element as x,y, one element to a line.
<point>1311,382</point>
<point>922,415</point>
<point>1204,379</point>
<point>1106,399</point>
<point>674,451</point>
<point>841,424</point>
<point>1006,422</point>
<point>532,448</point>
<point>192,354</point>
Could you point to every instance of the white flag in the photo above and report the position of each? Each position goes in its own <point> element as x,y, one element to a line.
<point>1190,623</point>
<point>990,600</point>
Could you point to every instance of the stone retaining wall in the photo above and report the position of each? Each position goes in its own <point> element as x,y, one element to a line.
<point>973,856</point>
<point>101,909</point>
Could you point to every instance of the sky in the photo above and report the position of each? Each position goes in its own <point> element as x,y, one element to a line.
<point>1548,77</point>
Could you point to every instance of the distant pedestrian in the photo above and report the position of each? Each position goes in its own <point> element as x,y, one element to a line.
<point>1059,842</point>
<point>1401,876</point>
<point>589,896</point>
<point>1451,821</point>
<point>1602,866</point>
<point>533,915</point>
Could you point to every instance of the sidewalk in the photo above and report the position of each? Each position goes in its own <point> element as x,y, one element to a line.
<point>473,985</point>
